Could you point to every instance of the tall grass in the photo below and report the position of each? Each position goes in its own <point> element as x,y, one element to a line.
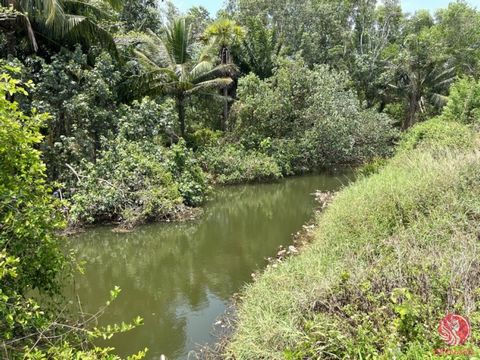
<point>393,254</point>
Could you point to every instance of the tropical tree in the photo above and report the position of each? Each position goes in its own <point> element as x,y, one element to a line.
<point>259,48</point>
<point>170,68</point>
<point>223,34</point>
<point>55,21</point>
<point>459,33</point>
<point>376,40</point>
<point>422,79</point>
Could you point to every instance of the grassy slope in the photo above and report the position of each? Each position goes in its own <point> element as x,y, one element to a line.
<point>394,253</point>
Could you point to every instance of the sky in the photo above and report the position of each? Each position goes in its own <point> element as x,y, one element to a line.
<point>408,5</point>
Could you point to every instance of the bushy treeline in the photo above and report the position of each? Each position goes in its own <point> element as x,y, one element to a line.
<point>256,93</point>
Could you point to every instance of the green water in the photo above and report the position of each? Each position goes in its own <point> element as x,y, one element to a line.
<point>180,277</point>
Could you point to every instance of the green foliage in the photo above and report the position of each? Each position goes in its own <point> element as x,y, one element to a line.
<point>232,164</point>
<point>464,102</point>
<point>147,119</point>
<point>203,138</point>
<point>259,48</point>
<point>458,28</point>
<point>312,110</point>
<point>57,21</point>
<point>83,103</point>
<point>392,255</point>
<point>192,182</point>
<point>28,212</point>
<point>134,182</point>
<point>129,183</point>
<point>170,68</point>
<point>140,15</point>
<point>30,254</point>
<point>437,134</point>
<point>372,167</point>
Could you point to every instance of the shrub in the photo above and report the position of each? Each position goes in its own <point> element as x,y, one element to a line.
<point>438,134</point>
<point>372,167</point>
<point>192,181</point>
<point>146,119</point>
<point>203,138</point>
<point>29,213</point>
<point>312,116</point>
<point>232,164</point>
<point>464,102</point>
<point>82,101</point>
<point>136,182</point>
<point>127,184</point>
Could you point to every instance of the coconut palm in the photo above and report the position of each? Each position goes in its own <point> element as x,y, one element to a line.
<point>170,68</point>
<point>55,21</point>
<point>223,34</point>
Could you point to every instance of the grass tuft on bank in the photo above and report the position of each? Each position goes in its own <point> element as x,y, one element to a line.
<point>394,253</point>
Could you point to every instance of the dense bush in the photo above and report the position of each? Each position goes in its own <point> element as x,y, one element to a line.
<point>146,119</point>
<point>203,138</point>
<point>82,101</point>
<point>393,254</point>
<point>464,102</point>
<point>134,183</point>
<point>28,214</point>
<point>318,120</point>
<point>232,164</point>
<point>185,169</point>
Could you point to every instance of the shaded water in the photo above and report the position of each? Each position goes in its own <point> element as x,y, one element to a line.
<point>180,277</point>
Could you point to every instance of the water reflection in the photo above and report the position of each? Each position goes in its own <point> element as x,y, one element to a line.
<point>179,277</point>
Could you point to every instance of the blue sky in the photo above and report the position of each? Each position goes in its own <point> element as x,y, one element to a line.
<point>408,5</point>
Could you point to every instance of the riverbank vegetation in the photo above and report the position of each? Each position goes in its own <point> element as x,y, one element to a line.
<point>130,112</point>
<point>394,253</point>
<point>254,95</point>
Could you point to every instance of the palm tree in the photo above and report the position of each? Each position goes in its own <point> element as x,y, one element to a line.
<point>65,21</point>
<point>171,69</point>
<point>223,34</point>
<point>421,79</point>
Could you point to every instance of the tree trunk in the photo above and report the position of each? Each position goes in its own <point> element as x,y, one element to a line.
<point>11,39</point>
<point>181,114</point>
<point>225,110</point>
<point>225,59</point>
<point>412,111</point>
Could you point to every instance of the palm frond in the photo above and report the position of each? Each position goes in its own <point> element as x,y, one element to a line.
<point>17,19</point>
<point>162,88</point>
<point>116,4</point>
<point>85,9</point>
<point>177,41</point>
<point>210,85</point>
<point>53,11</point>
<point>154,49</point>
<point>200,69</point>
<point>225,32</point>
<point>81,29</point>
<point>145,60</point>
<point>220,71</point>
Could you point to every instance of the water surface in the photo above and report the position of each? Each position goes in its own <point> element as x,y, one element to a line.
<point>180,277</point>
